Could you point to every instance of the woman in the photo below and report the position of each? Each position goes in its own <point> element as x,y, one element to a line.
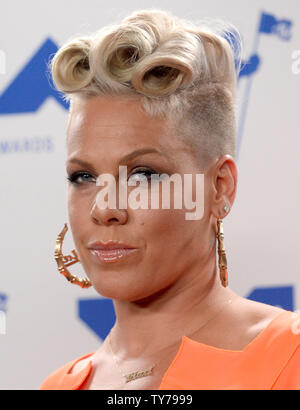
<point>156,95</point>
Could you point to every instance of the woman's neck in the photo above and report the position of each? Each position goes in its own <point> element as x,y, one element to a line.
<point>148,326</point>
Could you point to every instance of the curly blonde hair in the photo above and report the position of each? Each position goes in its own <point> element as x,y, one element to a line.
<point>184,71</point>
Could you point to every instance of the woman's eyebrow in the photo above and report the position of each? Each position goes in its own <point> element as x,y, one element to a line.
<point>126,158</point>
<point>84,164</point>
<point>139,152</point>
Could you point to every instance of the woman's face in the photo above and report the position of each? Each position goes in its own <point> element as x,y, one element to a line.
<point>101,131</point>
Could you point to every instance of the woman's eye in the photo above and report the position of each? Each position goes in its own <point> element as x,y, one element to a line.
<point>146,172</point>
<point>82,177</point>
<point>79,178</point>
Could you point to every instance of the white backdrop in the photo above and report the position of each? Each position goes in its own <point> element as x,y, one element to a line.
<point>40,326</point>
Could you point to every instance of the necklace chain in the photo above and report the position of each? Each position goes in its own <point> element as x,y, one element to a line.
<point>133,375</point>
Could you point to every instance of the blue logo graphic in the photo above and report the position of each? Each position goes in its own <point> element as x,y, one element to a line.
<point>98,314</point>
<point>276,296</point>
<point>269,24</point>
<point>33,85</point>
<point>250,67</point>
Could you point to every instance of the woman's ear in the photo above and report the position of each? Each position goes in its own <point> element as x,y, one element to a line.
<point>224,179</point>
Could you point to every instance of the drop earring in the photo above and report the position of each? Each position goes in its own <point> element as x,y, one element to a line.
<point>221,251</point>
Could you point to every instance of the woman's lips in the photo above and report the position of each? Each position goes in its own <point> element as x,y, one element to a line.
<point>112,255</point>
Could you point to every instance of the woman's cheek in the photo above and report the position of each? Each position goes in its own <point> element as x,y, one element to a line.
<point>77,215</point>
<point>157,224</point>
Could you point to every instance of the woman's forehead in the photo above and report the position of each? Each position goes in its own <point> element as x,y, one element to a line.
<point>110,121</point>
<point>106,111</point>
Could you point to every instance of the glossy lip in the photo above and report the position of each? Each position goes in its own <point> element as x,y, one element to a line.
<point>111,244</point>
<point>110,255</point>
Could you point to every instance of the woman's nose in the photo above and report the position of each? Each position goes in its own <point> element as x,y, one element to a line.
<point>108,215</point>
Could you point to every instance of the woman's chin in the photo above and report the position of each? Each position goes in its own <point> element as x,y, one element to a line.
<point>121,290</point>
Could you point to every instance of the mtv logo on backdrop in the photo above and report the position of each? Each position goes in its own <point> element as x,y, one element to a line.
<point>33,84</point>
<point>270,24</point>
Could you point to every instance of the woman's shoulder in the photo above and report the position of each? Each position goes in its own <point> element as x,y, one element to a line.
<point>274,352</point>
<point>268,357</point>
<point>285,326</point>
<point>64,378</point>
<point>248,323</point>
<point>250,318</point>
<point>279,350</point>
<point>268,325</point>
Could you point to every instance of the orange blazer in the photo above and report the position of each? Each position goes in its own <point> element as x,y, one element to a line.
<point>270,362</point>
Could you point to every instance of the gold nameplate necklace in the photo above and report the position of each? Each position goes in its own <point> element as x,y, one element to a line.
<point>134,375</point>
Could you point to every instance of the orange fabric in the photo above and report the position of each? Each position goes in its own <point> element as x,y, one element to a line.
<point>270,362</point>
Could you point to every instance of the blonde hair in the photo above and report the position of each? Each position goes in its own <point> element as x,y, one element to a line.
<point>184,71</point>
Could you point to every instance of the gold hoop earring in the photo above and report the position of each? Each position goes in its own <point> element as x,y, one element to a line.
<point>64,261</point>
<point>222,255</point>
